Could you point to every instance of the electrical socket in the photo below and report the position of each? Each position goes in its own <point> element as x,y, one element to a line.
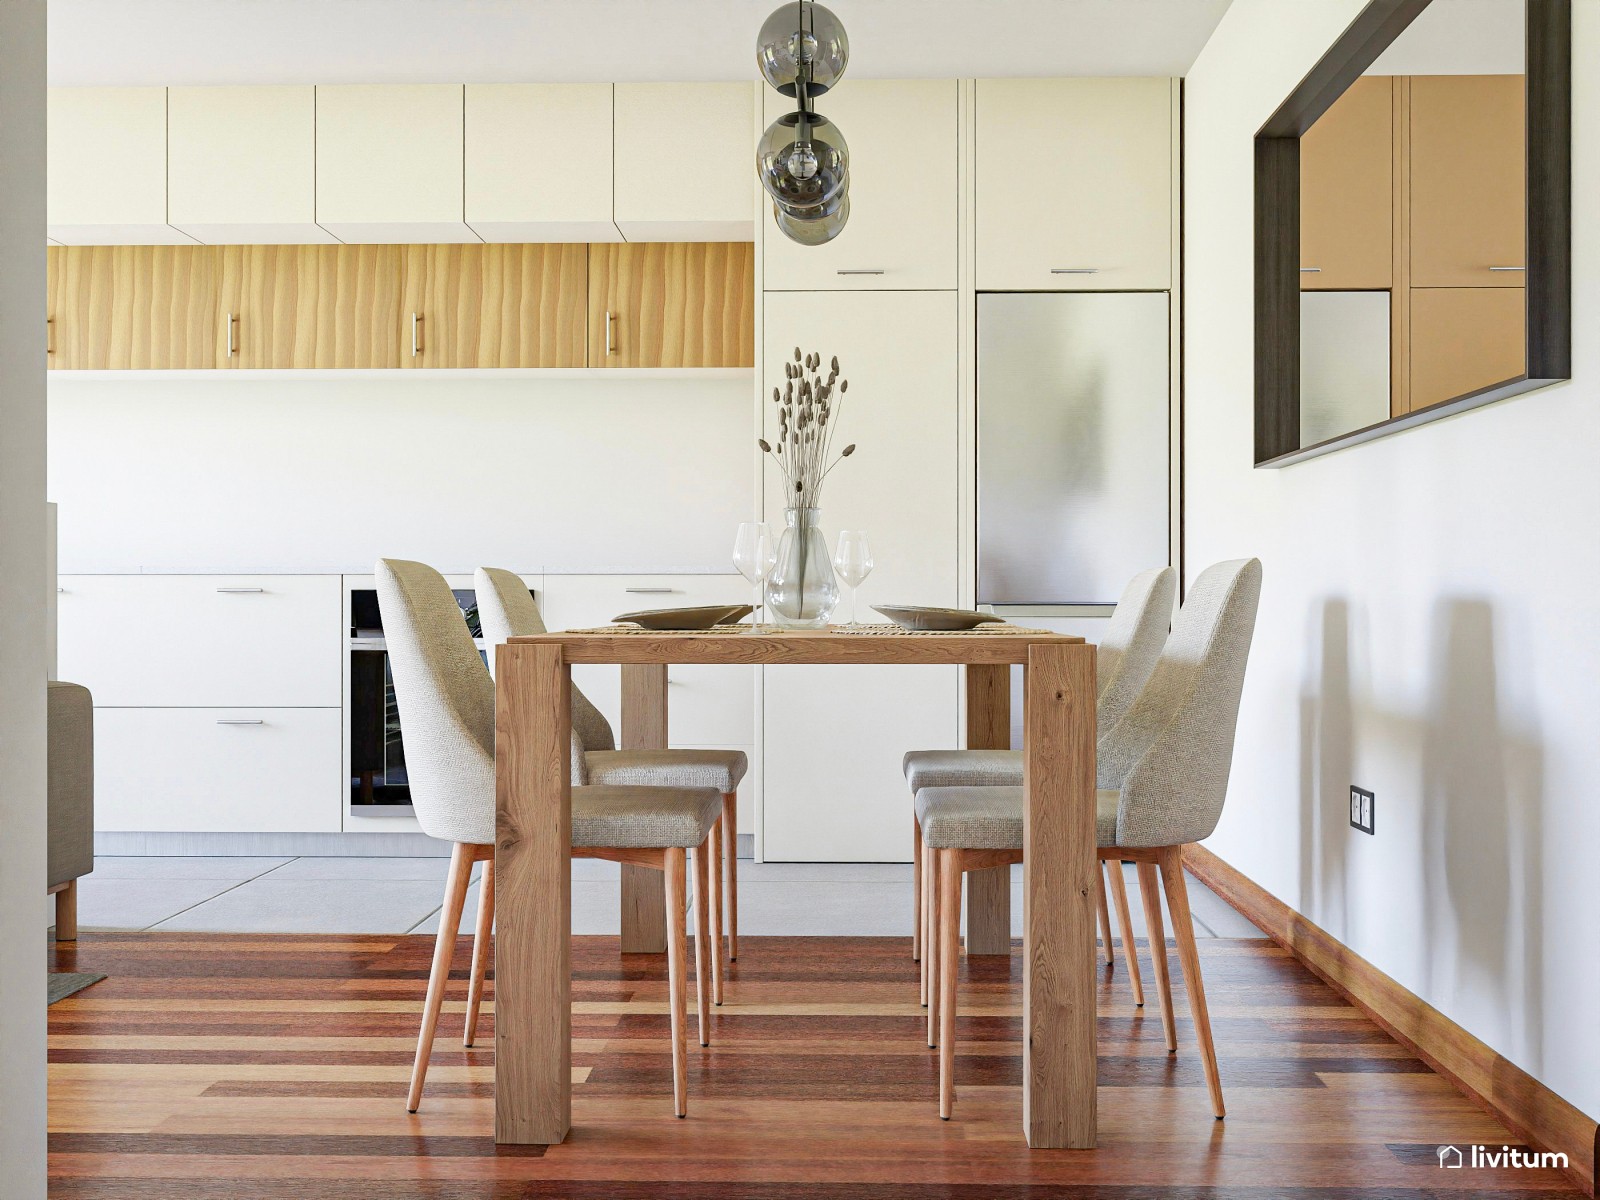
<point>1362,804</point>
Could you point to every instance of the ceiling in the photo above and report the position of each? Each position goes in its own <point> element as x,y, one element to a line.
<point>102,42</point>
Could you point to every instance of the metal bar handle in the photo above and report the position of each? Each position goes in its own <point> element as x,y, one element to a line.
<point>1074,270</point>
<point>860,271</point>
<point>232,345</point>
<point>650,591</point>
<point>239,721</point>
<point>49,335</point>
<point>1310,270</point>
<point>1508,268</point>
<point>239,591</point>
<point>611,342</point>
<point>416,339</point>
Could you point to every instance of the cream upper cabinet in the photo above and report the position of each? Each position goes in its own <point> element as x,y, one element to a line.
<point>242,165</point>
<point>538,162</point>
<point>389,163</point>
<point>1074,184</point>
<point>685,162</point>
<point>107,173</point>
<point>902,229</point>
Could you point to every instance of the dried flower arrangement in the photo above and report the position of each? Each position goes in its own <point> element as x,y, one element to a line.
<point>807,419</point>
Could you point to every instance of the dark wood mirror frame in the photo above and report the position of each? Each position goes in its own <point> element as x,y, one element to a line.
<point>1277,226</point>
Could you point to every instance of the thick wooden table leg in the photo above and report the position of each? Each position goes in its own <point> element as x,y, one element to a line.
<point>644,727</point>
<point>989,728</point>
<point>533,876</point>
<point>1059,866</point>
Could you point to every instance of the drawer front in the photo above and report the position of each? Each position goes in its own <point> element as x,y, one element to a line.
<point>218,770</point>
<point>706,706</point>
<point>197,641</point>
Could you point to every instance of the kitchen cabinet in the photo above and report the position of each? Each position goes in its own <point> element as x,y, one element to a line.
<point>1463,339</point>
<point>241,164</point>
<point>683,161</point>
<point>494,306</point>
<point>672,304</point>
<point>833,737</point>
<point>390,163</point>
<point>1347,191</point>
<point>1074,184</point>
<point>903,192</point>
<point>538,162</point>
<point>131,307</point>
<point>1468,189</point>
<point>308,306</point>
<point>107,178</point>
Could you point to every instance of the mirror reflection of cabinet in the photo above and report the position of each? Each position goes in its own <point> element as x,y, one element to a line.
<point>1347,191</point>
<point>1463,339</point>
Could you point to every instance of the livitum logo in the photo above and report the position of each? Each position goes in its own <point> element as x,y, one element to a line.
<point>1453,1158</point>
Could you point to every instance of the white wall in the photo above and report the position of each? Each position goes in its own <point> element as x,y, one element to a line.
<point>1427,625</point>
<point>581,474</point>
<point>22,601</point>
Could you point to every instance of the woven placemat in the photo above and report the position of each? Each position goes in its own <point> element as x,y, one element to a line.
<point>995,627</point>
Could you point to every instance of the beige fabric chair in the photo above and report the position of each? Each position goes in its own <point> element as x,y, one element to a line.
<point>1163,777</point>
<point>1124,658</point>
<point>70,809</point>
<point>506,610</point>
<point>446,702</point>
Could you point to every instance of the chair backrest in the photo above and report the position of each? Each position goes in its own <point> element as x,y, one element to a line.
<point>1132,643</point>
<point>1170,755</point>
<point>506,609</point>
<point>446,702</point>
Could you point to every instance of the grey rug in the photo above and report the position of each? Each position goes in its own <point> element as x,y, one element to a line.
<point>64,983</point>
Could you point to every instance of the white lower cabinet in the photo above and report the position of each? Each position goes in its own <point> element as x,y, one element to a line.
<point>218,770</point>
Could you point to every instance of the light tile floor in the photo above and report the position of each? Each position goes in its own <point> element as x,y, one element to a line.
<point>402,895</point>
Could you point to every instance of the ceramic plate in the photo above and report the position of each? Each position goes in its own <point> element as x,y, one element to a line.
<point>702,617</point>
<point>913,617</point>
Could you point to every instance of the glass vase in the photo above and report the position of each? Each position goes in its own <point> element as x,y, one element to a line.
<point>801,591</point>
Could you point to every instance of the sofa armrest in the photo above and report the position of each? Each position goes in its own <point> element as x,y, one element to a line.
<point>71,803</point>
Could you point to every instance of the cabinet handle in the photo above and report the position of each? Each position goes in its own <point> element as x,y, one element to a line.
<point>1508,268</point>
<point>655,591</point>
<point>232,345</point>
<point>49,335</point>
<point>860,271</point>
<point>1074,270</point>
<point>239,591</point>
<point>239,721</point>
<point>416,334</point>
<point>611,342</point>
<point>60,591</point>
<point>1310,270</point>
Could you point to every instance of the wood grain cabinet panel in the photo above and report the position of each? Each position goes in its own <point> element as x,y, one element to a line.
<point>1463,339</point>
<point>309,306</point>
<point>1347,191</point>
<point>131,307</point>
<point>1468,189</point>
<point>494,306</point>
<point>672,304</point>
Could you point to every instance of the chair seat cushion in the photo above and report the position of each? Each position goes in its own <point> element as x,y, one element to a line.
<point>963,768</point>
<point>720,769</point>
<point>990,818</point>
<point>643,818</point>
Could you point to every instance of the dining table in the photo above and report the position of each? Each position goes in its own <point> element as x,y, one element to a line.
<point>533,841</point>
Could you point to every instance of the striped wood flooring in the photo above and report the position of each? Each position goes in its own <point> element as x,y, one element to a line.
<point>216,1067</point>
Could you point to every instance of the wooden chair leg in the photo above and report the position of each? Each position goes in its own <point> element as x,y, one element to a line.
<point>949,972</point>
<point>481,938</point>
<point>1119,897</point>
<point>1177,890</point>
<point>677,989</point>
<point>1105,917</point>
<point>916,891</point>
<point>702,938</point>
<point>67,912</point>
<point>714,854</point>
<point>730,854</point>
<point>1150,892</point>
<point>931,860</point>
<point>444,945</point>
<point>930,935</point>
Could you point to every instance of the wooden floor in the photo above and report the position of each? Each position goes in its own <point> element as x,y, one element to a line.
<point>214,1067</point>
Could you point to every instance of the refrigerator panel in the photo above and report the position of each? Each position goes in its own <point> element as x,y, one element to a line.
<point>1073,454</point>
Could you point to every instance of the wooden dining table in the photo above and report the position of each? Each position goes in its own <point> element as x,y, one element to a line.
<point>533,842</point>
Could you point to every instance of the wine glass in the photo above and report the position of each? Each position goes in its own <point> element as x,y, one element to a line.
<point>852,560</point>
<point>755,554</point>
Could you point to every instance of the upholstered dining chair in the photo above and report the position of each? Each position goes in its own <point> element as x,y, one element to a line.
<point>506,609</point>
<point>1162,778</point>
<point>446,702</point>
<point>1124,658</point>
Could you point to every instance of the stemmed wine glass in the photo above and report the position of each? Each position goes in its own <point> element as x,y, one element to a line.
<point>852,559</point>
<point>755,554</point>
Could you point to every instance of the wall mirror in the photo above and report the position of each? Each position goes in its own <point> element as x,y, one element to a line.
<point>1413,224</point>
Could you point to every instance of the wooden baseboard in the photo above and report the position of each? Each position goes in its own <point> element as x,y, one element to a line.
<point>1528,1108</point>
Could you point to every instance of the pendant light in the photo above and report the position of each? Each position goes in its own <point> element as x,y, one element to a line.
<point>802,159</point>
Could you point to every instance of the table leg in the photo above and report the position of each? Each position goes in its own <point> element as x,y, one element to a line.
<point>1059,865</point>
<point>533,877</point>
<point>989,728</point>
<point>644,727</point>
